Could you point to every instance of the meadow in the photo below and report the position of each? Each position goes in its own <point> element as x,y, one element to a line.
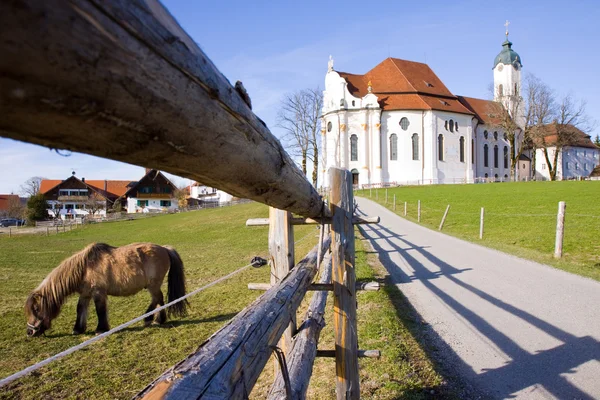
<point>212,243</point>
<point>520,217</point>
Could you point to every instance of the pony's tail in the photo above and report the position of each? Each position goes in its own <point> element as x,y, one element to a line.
<point>176,284</point>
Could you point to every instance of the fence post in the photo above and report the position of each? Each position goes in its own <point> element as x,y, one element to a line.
<point>481,224</point>
<point>560,229</point>
<point>57,229</point>
<point>394,202</point>
<point>386,196</point>
<point>405,205</point>
<point>419,211</point>
<point>444,217</point>
<point>9,231</point>
<point>281,250</point>
<point>47,231</point>
<point>370,192</point>
<point>344,280</point>
<point>376,194</point>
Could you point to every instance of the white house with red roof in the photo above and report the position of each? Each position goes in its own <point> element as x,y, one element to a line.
<point>399,123</point>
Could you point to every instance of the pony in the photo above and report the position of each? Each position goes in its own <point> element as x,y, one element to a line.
<point>100,270</point>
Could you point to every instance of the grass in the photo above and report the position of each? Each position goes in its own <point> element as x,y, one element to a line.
<point>212,243</point>
<point>520,217</point>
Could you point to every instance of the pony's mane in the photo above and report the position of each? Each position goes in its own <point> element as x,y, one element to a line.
<point>66,278</point>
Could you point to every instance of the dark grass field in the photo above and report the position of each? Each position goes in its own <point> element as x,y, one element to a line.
<point>212,243</point>
<point>520,217</point>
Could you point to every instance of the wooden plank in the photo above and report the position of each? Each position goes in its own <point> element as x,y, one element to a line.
<point>304,348</point>
<point>344,278</point>
<point>444,218</point>
<point>125,73</point>
<point>361,353</point>
<point>481,220</point>
<point>227,365</point>
<point>281,250</point>
<point>356,220</point>
<point>367,286</point>
<point>560,229</point>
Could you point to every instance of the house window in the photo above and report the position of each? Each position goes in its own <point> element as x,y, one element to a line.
<point>145,189</point>
<point>393,147</point>
<point>166,189</point>
<point>485,134</point>
<point>505,157</point>
<point>543,166</point>
<point>451,126</point>
<point>566,165</point>
<point>69,206</point>
<point>485,155</point>
<point>415,146</point>
<point>585,167</point>
<point>441,147</point>
<point>165,203</point>
<point>495,156</point>
<point>462,148</point>
<point>63,192</point>
<point>577,166</point>
<point>404,123</point>
<point>472,151</point>
<point>353,148</point>
<point>142,203</point>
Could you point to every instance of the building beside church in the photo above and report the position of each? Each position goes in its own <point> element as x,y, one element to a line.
<point>399,124</point>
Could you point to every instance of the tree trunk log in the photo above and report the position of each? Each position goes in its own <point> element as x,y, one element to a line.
<point>122,80</point>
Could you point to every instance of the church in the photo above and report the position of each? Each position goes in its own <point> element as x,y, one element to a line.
<point>399,124</point>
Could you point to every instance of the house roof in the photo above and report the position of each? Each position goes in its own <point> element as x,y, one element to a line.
<point>405,85</point>
<point>48,184</point>
<point>5,200</point>
<point>113,187</point>
<point>483,109</point>
<point>575,137</point>
<point>148,172</point>
<point>523,157</point>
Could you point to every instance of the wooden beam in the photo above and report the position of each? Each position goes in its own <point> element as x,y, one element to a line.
<point>122,80</point>
<point>344,278</point>
<point>281,250</point>
<point>356,220</point>
<point>304,348</point>
<point>361,353</point>
<point>227,365</point>
<point>367,286</point>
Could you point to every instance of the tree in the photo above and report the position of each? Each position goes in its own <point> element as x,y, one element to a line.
<point>37,208</point>
<point>181,194</point>
<point>55,210</point>
<point>31,187</point>
<point>299,118</point>
<point>597,140</point>
<point>94,203</point>
<point>15,208</point>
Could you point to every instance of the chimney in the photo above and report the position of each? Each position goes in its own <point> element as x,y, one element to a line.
<point>83,180</point>
<point>105,185</point>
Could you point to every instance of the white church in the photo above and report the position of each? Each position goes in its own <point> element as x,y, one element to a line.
<point>399,124</point>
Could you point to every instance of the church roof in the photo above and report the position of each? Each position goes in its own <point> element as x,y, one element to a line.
<point>507,56</point>
<point>405,85</point>
<point>484,110</point>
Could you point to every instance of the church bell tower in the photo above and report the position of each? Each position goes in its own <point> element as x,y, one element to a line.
<point>507,80</point>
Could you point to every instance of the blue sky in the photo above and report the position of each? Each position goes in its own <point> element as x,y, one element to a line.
<point>276,47</point>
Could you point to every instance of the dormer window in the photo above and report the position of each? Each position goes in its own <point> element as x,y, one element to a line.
<point>428,84</point>
<point>444,102</point>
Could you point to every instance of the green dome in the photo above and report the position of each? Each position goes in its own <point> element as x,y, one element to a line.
<point>507,56</point>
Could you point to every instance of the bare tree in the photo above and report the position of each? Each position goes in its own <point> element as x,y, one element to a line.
<point>94,203</point>
<point>31,187</point>
<point>299,117</point>
<point>15,208</point>
<point>181,194</point>
<point>55,208</point>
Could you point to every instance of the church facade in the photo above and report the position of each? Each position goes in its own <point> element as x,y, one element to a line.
<point>399,124</point>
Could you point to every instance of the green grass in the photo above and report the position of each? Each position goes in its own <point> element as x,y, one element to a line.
<point>520,217</point>
<point>212,243</point>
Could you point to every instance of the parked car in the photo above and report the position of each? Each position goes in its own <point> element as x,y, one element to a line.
<point>11,222</point>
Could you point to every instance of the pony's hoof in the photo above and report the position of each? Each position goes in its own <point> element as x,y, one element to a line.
<point>148,323</point>
<point>75,332</point>
<point>100,332</point>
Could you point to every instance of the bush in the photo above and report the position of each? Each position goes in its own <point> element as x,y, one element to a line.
<point>37,209</point>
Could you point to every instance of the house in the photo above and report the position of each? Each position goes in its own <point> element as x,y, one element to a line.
<point>153,193</point>
<point>578,156</point>
<point>399,123</point>
<point>206,194</point>
<point>9,203</point>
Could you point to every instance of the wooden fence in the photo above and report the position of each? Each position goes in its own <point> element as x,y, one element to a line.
<point>121,80</point>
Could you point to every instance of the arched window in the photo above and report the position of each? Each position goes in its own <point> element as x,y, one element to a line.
<point>485,134</point>
<point>462,148</point>
<point>393,147</point>
<point>441,147</point>
<point>446,125</point>
<point>505,157</point>
<point>353,103</point>
<point>495,135</point>
<point>354,176</point>
<point>404,123</point>
<point>472,151</point>
<point>495,156</point>
<point>505,136</point>
<point>500,90</point>
<point>353,148</point>
<point>329,126</point>
<point>486,175</point>
<point>485,156</point>
<point>451,126</point>
<point>415,146</point>
<point>456,126</point>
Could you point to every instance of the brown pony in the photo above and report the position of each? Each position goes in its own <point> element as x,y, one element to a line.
<point>100,270</point>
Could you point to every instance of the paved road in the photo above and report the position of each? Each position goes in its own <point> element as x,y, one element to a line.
<point>510,327</point>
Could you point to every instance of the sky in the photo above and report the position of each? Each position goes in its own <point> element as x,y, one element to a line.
<point>278,47</point>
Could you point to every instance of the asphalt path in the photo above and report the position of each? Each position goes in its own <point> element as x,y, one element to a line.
<point>510,327</point>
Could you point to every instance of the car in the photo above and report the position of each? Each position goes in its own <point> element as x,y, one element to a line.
<point>11,222</point>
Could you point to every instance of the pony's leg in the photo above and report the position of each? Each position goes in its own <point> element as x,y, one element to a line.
<point>162,315</point>
<point>102,312</point>
<point>157,300</point>
<point>82,313</point>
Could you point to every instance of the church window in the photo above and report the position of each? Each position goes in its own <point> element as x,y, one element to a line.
<point>505,136</point>
<point>329,126</point>
<point>446,125</point>
<point>353,148</point>
<point>485,156</point>
<point>456,126</point>
<point>505,176</point>
<point>415,146</point>
<point>353,103</point>
<point>462,149</point>
<point>404,123</point>
<point>505,157</point>
<point>393,147</point>
<point>485,134</point>
<point>486,175</point>
<point>495,135</point>
<point>495,156</point>
<point>500,90</point>
<point>451,126</point>
<point>441,147</point>
<point>472,151</point>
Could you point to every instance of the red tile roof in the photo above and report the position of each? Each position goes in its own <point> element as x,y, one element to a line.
<point>115,187</point>
<point>483,109</point>
<point>405,85</point>
<point>47,184</point>
<point>5,200</point>
<point>576,137</point>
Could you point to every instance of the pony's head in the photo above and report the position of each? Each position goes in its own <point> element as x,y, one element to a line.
<point>38,318</point>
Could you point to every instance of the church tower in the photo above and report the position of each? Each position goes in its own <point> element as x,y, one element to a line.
<point>507,80</point>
